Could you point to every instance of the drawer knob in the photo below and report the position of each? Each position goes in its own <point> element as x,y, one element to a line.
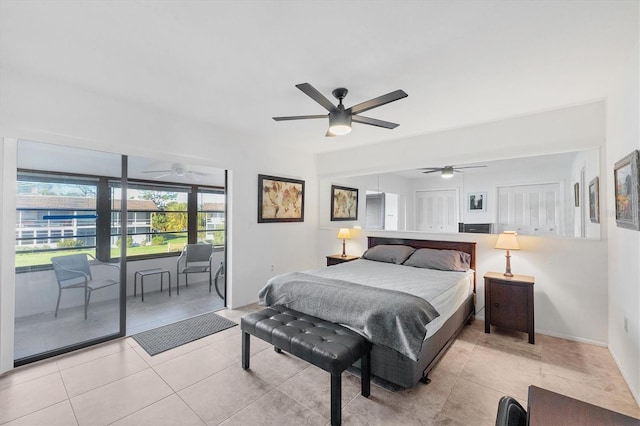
<point>496,305</point>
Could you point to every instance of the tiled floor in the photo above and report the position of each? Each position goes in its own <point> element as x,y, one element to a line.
<point>203,383</point>
<point>39,333</point>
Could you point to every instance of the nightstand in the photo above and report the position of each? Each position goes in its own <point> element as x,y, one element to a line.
<point>508,303</point>
<point>335,259</point>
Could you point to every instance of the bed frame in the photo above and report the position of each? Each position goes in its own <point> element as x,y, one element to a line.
<point>396,368</point>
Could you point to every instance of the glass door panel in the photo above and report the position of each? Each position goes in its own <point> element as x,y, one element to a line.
<point>67,289</point>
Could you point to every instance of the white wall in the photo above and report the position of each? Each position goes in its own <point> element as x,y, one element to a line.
<point>571,277</point>
<point>38,109</point>
<point>623,136</point>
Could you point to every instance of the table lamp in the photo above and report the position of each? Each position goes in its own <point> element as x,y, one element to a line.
<point>344,234</point>
<point>507,241</point>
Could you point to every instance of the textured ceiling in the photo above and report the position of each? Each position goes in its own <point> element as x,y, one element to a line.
<point>235,63</point>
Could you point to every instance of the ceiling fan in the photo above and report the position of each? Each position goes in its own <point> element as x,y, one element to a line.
<point>340,119</point>
<point>176,170</point>
<point>447,171</point>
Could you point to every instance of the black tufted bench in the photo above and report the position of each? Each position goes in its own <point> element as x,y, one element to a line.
<point>324,344</point>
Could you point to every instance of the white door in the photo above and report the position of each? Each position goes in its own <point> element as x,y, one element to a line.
<point>530,209</point>
<point>437,210</point>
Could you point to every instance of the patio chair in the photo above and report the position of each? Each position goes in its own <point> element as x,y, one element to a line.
<point>194,259</point>
<point>74,271</point>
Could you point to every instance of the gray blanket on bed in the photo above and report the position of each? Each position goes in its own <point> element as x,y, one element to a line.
<point>386,317</point>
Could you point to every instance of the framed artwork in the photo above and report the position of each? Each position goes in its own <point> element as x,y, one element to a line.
<point>576,194</point>
<point>477,202</point>
<point>280,199</point>
<point>344,203</point>
<point>625,179</point>
<point>594,200</point>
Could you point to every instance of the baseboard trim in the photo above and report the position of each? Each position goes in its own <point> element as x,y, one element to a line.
<point>635,395</point>
<point>561,336</point>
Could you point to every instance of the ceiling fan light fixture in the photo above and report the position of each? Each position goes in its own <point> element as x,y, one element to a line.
<point>447,173</point>
<point>339,122</point>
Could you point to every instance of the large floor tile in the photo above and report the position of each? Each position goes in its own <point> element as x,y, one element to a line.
<point>472,404</point>
<point>275,408</point>
<point>119,399</point>
<point>502,371</point>
<point>192,367</point>
<point>60,414</point>
<point>101,371</point>
<point>274,368</point>
<point>215,337</point>
<point>82,356</point>
<point>218,397</point>
<point>169,411</point>
<point>33,395</point>
<point>28,372</point>
<point>312,388</point>
<point>382,408</point>
<point>232,346</point>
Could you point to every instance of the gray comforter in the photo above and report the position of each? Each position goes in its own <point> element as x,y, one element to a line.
<point>386,317</point>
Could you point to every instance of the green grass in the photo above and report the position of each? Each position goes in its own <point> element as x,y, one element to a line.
<point>173,243</point>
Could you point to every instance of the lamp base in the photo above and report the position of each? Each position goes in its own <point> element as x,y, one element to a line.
<point>507,272</point>
<point>344,251</point>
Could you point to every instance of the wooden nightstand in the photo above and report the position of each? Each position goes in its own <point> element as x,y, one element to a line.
<point>508,303</point>
<point>335,259</point>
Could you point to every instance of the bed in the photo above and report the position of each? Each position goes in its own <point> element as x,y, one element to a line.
<point>372,293</point>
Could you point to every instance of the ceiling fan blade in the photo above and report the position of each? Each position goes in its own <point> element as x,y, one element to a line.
<point>432,171</point>
<point>379,101</point>
<point>311,91</point>
<point>374,122</point>
<point>469,167</point>
<point>163,175</point>
<point>299,117</point>
<point>157,171</point>
<point>430,168</point>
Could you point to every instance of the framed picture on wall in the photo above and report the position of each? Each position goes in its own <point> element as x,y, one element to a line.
<point>594,200</point>
<point>477,202</point>
<point>344,203</point>
<point>280,199</point>
<point>625,181</point>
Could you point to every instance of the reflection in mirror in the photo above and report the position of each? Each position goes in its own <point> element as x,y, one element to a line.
<point>543,195</point>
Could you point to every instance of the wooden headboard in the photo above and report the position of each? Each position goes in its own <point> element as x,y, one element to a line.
<point>464,246</point>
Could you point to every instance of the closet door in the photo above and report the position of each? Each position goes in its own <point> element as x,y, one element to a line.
<point>530,209</point>
<point>437,211</point>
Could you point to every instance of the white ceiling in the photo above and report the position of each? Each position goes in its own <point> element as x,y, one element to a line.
<point>235,63</point>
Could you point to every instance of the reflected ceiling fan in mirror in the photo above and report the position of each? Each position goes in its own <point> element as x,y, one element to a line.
<point>447,171</point>
<point>176,170</point>
<point>340,119</point>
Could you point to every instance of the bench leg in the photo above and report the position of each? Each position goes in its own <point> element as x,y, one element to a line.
<point>277,349</point>
<point>365,374</point>
<point>245,350</point>
<point>336,399</point>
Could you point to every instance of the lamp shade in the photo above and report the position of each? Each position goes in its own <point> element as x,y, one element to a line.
<point>507,241</point>
<point>344,234</point>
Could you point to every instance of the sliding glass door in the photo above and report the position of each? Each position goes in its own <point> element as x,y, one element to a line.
<point>68,286</point>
